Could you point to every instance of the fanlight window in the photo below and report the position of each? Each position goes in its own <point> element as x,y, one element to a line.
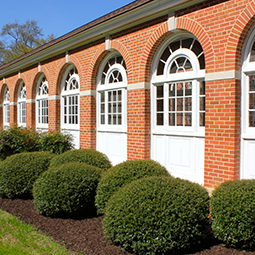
<point>42,102</point>
<point>6,104</point>
<point>181,64</point>
<point>114,76</point>
<point>70,98</point>
<point>22,104</point>
<point>112,95</point>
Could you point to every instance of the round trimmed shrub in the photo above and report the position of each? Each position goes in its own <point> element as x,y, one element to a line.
<point>156,215</point>
<point>19,172</point>
<point>88,156</point>
<point>124,173</point>
<point>233,213</point>
<point>67,189</point>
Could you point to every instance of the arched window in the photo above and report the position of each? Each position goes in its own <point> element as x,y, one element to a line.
<point>70,104</point>
<point>178,107</point>
<point>112,94</point>
<point>42,105</point>
<point>112,108</point>
<point>179,86</point>
<point>247,170</point>
<point>6,107</point>
<point>22,104</point>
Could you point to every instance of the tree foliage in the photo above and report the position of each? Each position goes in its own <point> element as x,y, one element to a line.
<point>19,39</point>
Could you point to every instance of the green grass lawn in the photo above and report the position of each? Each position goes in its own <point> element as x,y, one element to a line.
<point>20,238</point>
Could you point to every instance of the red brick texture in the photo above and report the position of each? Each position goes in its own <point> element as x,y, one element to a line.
<point>220,26</point>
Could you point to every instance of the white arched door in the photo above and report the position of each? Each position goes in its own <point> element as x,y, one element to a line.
<point>178,108</point>
<point>111,109</point>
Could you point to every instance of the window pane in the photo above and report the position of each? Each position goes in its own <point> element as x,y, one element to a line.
<point>179,119</point>
<point>188,120</point>
<point>188,104</point>
<point>160,117</point>
<point>119,119</point>
<point>171,104</point>
<point>160,105</point>
<point>252,119</point>
<point>160,92</point>
<point>188,89</point>
<point>202,119</point>
<point>179,104</point>
<point>172,90</point>
<point>102,119</point>
<point>171,119</point>
<point>202,103</point>
<point>179,89</point>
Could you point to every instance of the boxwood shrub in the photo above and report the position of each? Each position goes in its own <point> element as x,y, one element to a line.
<point>156,215</point>
<point>66,189</point>
<point>233,213</point>
<point>17,140</point>
<point>122,174</point>
<point>19,172</point>
<point>88,156</point>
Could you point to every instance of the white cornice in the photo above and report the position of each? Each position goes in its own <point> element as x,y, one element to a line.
<point>120,22</point>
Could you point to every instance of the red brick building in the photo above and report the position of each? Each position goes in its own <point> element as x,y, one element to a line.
<point>169,80</point>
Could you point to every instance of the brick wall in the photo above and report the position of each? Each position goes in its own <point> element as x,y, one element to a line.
<point>220,26</point>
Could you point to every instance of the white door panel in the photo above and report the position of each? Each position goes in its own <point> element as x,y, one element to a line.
<point>183,156</point>
<point>75,137</point>
<point>249,159</point>
<point>114,145</point>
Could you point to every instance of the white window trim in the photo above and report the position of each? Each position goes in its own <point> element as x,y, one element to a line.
<point>248,69</point>
<point>6,103</point>
<point>21,101</point>
<point>38,99</point>
<point>108,87</point>
<point>195,76</point>
<point>67,93</point>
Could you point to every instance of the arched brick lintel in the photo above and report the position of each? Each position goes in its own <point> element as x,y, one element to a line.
<point>238,35</point>
<point>101,54</point>
<point>163,32</point>
<point>196,29</point>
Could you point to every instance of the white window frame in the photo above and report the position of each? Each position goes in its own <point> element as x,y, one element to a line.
<point>248,69</point>
<point>195,76</point>
<point>42,83</point>
<point>22,104</point>
<point>109,87</point>
<point>68,94</point>
<point>6,107</point>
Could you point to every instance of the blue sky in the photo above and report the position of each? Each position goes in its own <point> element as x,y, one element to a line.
<point>57,17</point>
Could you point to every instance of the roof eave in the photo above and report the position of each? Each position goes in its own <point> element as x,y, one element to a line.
<point>124,18</point>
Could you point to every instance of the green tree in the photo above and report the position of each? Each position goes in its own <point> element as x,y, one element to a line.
<point>19,39</point>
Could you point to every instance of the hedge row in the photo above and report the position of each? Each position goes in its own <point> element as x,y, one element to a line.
<point>20,139</point>
<point>146,210</point>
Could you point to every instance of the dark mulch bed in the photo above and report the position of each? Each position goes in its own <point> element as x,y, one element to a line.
<point>86,235</point>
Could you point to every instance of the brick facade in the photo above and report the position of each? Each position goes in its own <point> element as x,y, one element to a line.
<point>220,26</point>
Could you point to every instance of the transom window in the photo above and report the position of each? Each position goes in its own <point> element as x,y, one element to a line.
<point>70,98</point>
<point>42,103</point>
<point>112,93</point>
<point>6,107</point>
<point>22,104</point>
<point>181,63</point>
<point>179,89</point>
